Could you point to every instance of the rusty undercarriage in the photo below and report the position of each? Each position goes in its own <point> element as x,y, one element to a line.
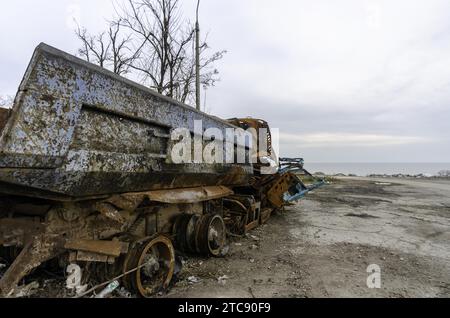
<point>86,177</point>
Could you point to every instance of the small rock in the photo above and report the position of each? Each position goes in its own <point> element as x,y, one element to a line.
<point>402,259</point>
<point>193,280</point>
<point>254,247</point>
<point>252,260</point>
<point>223,279</point>
<point>254,238</point>
<point>238,244</point>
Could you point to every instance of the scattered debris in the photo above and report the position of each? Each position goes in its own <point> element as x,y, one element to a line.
<point>122,292</point>
<point>26,290</point>
<point>109,289</point>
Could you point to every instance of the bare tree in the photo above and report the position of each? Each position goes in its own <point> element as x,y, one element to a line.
<point>95,49</point>
<point>110,49</point>
<point>185,81</point>
<point>159,48</point>
<point>122,56</point>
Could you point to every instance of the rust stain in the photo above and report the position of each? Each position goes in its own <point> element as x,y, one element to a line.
<point>110,248</point>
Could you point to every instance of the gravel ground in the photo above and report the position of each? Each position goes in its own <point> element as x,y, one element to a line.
<point>322,247</point>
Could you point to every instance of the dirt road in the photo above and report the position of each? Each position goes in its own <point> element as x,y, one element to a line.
<point>322,246</point>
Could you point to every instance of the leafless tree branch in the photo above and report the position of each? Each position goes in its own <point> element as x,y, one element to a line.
<point>151,39</point>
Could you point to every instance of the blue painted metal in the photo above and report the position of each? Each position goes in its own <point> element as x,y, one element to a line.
<point>296,165</point>
<point>302,191</point>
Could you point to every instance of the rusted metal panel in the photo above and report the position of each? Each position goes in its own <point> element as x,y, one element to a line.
<point>251,226</point>
<point>79,131</point>
<point>82,256</point>
<point>4,116</point>
<point>281,186</point>
<point>110,248</point>
<point>265,215</point>
<point>191,195</point>
<point>130,201</point>
<point>17,232</point>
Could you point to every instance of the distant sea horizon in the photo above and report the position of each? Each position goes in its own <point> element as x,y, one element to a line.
<point>365,168</point>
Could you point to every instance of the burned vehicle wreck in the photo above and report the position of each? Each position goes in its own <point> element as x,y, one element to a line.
<point>87,178</point>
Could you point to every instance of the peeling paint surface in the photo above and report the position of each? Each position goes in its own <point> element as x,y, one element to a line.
<point>77,131</point>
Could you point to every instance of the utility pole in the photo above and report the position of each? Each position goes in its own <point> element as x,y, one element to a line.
<point>197,60</point>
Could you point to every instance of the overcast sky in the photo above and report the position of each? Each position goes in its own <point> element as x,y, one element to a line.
<point>345,81</point>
